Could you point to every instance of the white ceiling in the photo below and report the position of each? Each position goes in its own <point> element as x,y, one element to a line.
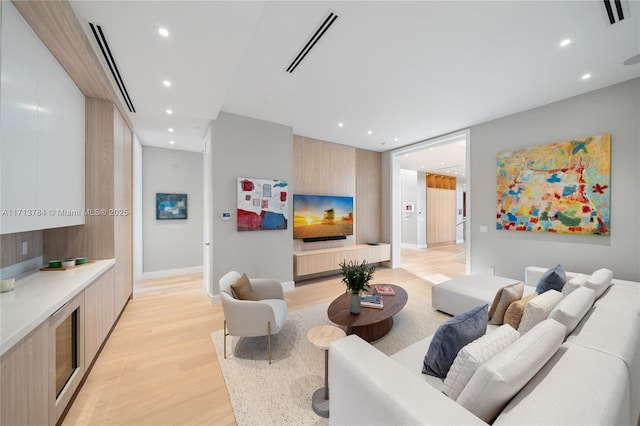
<point>408,70</point>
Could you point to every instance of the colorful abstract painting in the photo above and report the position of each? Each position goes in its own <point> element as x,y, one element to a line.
<point>559,188</point>
<point>262,204</point>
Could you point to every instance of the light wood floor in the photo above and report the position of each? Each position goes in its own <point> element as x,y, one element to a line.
<point>159,365</point>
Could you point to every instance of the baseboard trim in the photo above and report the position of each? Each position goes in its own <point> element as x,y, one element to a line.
<point>171,272</point>
<point>413,246</point>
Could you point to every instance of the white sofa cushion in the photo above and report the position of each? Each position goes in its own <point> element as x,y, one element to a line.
<point>575,282</point>
<point>538,309</point>
<point>599,281</point>
<point>504,297</point>
<point>501,377</point>
<point>578,386</point>
<point>473,355</point>
<point>570,310</point>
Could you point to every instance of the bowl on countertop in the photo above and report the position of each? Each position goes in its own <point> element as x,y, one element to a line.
<point>69,263</point>
<point>55,264</point>
<point>81,260</point>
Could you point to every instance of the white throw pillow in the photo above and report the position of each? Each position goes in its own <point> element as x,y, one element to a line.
<point>570,310</point>
<point>538,309</point>
<point>474,355</point>
<point>501,377</point>
<point>599,281</point>
<point>575,282</point>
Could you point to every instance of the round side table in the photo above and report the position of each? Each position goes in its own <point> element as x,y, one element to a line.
<point>321,336</point>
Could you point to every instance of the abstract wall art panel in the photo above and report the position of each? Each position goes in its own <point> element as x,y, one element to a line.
<point>171,206</point>
<point>562,187</point>
<point>262,204</point>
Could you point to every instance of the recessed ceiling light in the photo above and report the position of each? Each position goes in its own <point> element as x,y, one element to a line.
<point>396,139</point>
<point>340,124</point>
<point>565,42</point>
<point>456,172</point>
<point>369,132</point>
<point>586,76</point>
<point>442,162</point>
<point>170,129</point>
<point>430,149</point>
<point>171,142</point>
<point>406,155</point>
<point>167,83</point>
<point>422,167</point>
<point>163,32</point>
<point>169,112</point>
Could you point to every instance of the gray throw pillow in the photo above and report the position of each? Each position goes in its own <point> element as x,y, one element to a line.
<point>553,279</point>
<point>451,336</point>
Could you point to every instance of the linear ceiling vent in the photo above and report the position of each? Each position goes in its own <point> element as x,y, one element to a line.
<point>329,20</point>
<point>615,10</point>
<point>108,57</point>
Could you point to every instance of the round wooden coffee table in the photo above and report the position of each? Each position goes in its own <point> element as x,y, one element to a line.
<point>371,324</point>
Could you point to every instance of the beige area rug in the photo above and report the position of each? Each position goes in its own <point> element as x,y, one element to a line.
<point>280,393</point>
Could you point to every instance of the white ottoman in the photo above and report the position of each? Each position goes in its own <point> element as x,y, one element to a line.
<point>461,294</point>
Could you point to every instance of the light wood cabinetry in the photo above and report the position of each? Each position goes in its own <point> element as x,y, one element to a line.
<point>99,313</point>
<point>122,208</point>
<point>325,260</point>
<point>24,397</point>
<point>441,209</point>
<point>109,182</point>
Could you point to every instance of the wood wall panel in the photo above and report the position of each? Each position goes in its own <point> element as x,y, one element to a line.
<point>99,184</point>
<point>62,243</point>
<point>123,202</point>
<point>368,203</point>
<point>323,168</point>
<point>441,216</point>
<point>11,247</point>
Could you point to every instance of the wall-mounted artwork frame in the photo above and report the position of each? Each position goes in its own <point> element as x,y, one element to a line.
<point>562,187</point>
<point>171,206</point>
<point>263,204</point>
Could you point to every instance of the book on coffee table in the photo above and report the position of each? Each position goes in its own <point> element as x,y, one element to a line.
<point>385,290</point>
<point>372,301</point>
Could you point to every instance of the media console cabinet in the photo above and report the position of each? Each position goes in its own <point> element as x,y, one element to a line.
<point>310,262</point>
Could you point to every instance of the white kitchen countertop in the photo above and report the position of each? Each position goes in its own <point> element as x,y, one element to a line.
<point>39,295</point>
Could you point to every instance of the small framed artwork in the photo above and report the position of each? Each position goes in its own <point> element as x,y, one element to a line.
<point>171,206</point>
<point>409,207</point>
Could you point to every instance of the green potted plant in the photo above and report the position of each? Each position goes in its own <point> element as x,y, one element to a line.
<point>356,277</point>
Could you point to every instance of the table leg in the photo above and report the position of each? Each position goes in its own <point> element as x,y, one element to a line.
<point>320,398</point>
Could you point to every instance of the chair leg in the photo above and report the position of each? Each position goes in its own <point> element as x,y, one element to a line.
<point>224,331</point>
<point>269,340</point>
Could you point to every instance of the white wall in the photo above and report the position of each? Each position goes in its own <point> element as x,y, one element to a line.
<point>409,195</point>
<point>612,110</point>
<point>246,147</point>
<point>172,246</point>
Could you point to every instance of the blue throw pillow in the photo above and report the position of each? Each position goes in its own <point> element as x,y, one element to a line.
<point>451,336</point>
<point>553,279</point>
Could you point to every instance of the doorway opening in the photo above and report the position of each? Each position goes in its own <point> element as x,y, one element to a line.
<point>434,170</point>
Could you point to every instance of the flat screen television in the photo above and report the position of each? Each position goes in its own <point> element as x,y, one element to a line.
<point>322,217</point>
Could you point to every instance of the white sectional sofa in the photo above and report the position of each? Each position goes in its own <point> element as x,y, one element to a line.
<point>590,378</point>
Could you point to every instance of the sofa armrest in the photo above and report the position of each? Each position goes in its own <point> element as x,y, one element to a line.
<point>369,388</point>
